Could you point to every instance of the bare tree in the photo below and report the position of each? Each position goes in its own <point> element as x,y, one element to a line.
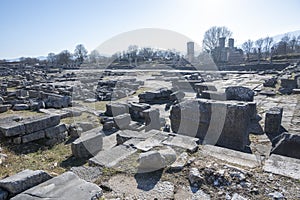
<point>268,42</point>
<point>94,56</point>
<point>64,58</point>
<point>247,47</point>
<point>293,43</point>
<point>51,58</point>
<point>212,35</point>
<point>259,43</point>
<point>80,53</point>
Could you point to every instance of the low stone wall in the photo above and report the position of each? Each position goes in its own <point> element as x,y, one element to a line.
<point>31,129</point>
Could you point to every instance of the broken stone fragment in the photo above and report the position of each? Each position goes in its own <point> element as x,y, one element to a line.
<point>195,177</point>
<point>23,180</point>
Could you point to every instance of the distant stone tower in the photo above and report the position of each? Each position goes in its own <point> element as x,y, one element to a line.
<point>222,42</point>
<point>231,43</point>
<point>190,51</point>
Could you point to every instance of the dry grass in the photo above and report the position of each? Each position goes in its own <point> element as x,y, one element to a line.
<point>23,114</point>
<point>53,160</point>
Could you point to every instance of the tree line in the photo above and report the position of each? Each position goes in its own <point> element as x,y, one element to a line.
<point>263,47</point>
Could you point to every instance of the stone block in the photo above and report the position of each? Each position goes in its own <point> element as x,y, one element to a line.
<point>3,108</point>
<point>122,121</point>
<point>114,109</point>
<point>111,157</point>
<point>63,187</point>
<point>287,144</point>
<point>23,180</point>
<point>213,122</point>
<point>12,128</point>
<point>54,131</point>
<point>239,93</point>
<point>40,123</point>
<point>88,144</point>
<point>151,161</point>
<point>33,136</point>
<point>152,119</point>
<point>19,107</point>
<point>273,121</point>
<point>3,194</point>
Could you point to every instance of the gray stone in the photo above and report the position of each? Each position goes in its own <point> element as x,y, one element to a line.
<point>125,135</point>
<point>180,162</point>
<point>23,180</point>
<point>53,132</point>
<point>33,136</point>
<point>152,119</point>
<point>153,141</point>
<point>3,108</point>
<point>285,166</point>
<point>63,187</point>
<point>88,144</point>
<point>122,121</point>
<point>273,121</point>
<point>3,194</point>
<point>270,82</point>
<point>151,161</point>
<point>239,93</point>
<point>168,154</point>
<point>213,122</point>
<point>276,195</point>
<point>237,197</point>
<point>185,142</point>
<point>12,128</point>
<point>287,144</point>
<point>231,156</point>
<point>40,123</point>
<point>55,100</point>
<point>111,157</point>
<point>177,96</point>
<point>195,177</point>
<point>19,107</point>
<point>1,100</point>
<point>114,109</point>
<point>107,126</point>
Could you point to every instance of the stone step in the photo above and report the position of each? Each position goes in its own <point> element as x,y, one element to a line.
<point>283,165</point>
<point>63,187</point>
<point>111,157</point>
<point>232,156</point>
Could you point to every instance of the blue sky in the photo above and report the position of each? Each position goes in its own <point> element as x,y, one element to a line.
<point>35,27</point>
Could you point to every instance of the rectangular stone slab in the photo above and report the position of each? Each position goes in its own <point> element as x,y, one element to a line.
<point>23,180</point>
<point>40,123</point>
<point>283,165</point>
<point>232,156</point>
<point>63,187</point>
<point>111,157</point>
<point>12,128</point>
<point>153,141</point>
<point>185,142</point>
